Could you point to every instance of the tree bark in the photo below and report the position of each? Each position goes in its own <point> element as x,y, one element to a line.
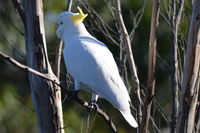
<point>151,68</point>
<point>46,95</point>
<point>175,18</point>
<point>191,75</point>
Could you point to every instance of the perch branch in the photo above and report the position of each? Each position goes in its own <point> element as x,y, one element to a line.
<point>45,76</point>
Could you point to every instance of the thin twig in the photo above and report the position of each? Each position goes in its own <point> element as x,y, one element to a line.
<point>13,45</point>
<point>46,76</point>
<point>99,111</point>
<point>134,77</point>
<point>26,68</point>
<point>60,45</point>
<point>158,107</point>
<point>165,63</point>
<point>23,102</point>
<point>154,125</point>
<point>100,24</point>
<point>20,9</point>
<point>69,5</point>
<point>137,19</point>
<point>17,29</point>
<point>58,58</point>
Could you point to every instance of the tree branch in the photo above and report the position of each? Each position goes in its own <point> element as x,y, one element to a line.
<point>99,111</point>
<point>20,10</point>
<point>137,19</point>
<point>151,68</point>
<point>190,83</point>
<point>175,17</point>
<point>69,5</point>
<point>60,45</point>
<point>68,92</point>
<point>99,23</point>
<point>26,68</point>
<point>126,39</point>
<point>58,58</point>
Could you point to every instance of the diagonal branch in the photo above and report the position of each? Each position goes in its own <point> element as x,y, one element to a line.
<point>20,10</point>
<point>126,39</point>
<point>99,111</point>
<point>68,92</point>
<point>137,19</point>
<point>26,68</point>
<point>127,42</point>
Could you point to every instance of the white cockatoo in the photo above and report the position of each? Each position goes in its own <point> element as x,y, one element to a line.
<point>91,63</point>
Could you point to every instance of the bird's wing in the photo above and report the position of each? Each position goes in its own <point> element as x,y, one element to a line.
<point>89,61</point>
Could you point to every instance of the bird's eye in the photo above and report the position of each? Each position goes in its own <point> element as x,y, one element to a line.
<point>61,23</point>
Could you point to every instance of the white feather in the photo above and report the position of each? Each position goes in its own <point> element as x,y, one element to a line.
<point>90,62</point>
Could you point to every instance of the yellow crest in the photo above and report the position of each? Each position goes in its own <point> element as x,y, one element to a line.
<point>78,17</point>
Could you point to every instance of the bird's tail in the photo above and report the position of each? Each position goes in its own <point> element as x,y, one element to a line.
<point>129,118</point>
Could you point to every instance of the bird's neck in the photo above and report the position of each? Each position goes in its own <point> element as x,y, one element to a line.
<point>75,31</point>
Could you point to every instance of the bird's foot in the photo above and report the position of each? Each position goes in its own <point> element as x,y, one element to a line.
<point>93,106</point>
<point>73,94</point>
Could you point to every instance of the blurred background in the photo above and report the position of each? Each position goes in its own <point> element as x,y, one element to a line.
<point>16,108</point>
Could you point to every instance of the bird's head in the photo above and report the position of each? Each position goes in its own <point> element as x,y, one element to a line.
<point>68,20</point>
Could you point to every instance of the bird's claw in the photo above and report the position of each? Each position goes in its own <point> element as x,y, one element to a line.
<point>93,106</point>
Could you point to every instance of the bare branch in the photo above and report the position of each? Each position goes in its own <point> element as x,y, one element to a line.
<point>60,45</point>
<point>127,42</point>
<point>68,92</point>
<point>151,68</point>
<point>175,17</point>
<point>161,111</point>
<point>26,68</point>
<point>192,112</point>
<point>58,58</point>
<point>69,5</point>
<point>23,101</point>
<point>14,46</point>
<point>125,37</point>
<point>17,29</point>
<point>190,82</point>
<point>154,125</point>
<point>100,24</point>
<point>100,112</point>
<point>137,19</point>
<point>197,121</point>
<point>20,9</point>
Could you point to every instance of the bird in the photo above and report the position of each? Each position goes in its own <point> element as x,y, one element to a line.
<point>91,63</point>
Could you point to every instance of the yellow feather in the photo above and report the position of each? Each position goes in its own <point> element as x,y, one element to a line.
<point>78,17</point>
